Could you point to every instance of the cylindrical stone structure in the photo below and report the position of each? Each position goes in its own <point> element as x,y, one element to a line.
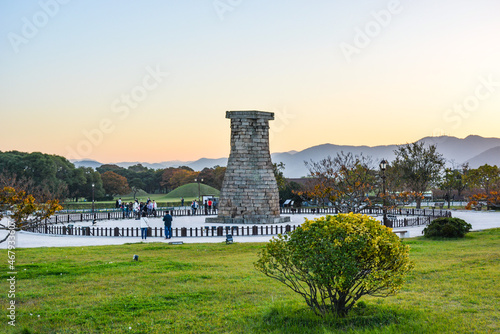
<point>249,191</point>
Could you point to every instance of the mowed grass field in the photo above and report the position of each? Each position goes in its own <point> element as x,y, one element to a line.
<point>188,191</point>
<point>214,288</point>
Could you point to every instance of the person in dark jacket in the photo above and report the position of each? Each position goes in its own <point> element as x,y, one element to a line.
<point>167,221</point>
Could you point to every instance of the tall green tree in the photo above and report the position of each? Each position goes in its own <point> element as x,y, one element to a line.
<point>52,173</point>
<point>452,180</point>
<point>485,178</point>
<point>136,184</point>
<point>113,168</point>
<point>291,191</point>
<point>76,185</point>
<point>213,176</point>
<point>86,190</point>
<point>286,189</point>
<point>278,169</point>
<point>418,167</point>
<point>219,173</point>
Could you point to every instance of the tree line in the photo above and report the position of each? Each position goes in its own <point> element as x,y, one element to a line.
<point>351,183</point>
<point>348,182</point>
<point>49,177</point>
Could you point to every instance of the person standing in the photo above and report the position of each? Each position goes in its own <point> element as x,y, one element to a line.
<point>149,208</point>
<point>136,209</point>
<point>144,225</point>
<point>130,209</point>
<point>210,206</point>
<point>193,207</point>
<point>167,221</point>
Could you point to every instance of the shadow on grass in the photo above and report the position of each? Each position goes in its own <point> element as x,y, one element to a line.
<point>364,318</point>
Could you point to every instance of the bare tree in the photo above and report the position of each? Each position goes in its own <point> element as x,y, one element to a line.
<point>345,181</point>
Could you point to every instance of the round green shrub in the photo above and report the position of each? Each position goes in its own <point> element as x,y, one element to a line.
<point>333,261</point>
<point>447,227</point>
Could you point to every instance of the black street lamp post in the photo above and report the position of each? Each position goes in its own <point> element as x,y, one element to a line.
<point>383,167</point>
<point>458,177</point>
<point>199,192</point>
<point>93,213</point>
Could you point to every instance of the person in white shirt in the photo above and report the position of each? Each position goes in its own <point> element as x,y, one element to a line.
<point>155,207</point>
<point>136,207</point>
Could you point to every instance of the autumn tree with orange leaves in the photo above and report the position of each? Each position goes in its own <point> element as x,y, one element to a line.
<point>23,210</point>
<point>114,184</point>
<point>345,181</point>
<point>485,182</point>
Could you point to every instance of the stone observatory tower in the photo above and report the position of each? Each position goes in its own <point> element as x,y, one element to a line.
<point>249,192</point>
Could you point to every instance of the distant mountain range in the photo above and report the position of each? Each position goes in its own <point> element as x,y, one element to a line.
<point>474,150</point>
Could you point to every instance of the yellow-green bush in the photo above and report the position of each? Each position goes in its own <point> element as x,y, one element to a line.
<point>333,261</point>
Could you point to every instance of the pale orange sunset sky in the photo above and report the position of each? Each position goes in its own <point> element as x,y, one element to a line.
<point>151,80</point>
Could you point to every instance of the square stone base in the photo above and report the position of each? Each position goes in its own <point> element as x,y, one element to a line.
<point>247,220</point>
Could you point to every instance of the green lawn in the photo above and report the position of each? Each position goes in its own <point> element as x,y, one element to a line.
<point>213,288</point>
<point>188,191</point>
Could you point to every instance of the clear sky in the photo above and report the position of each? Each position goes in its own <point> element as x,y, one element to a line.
<point>151,80</point>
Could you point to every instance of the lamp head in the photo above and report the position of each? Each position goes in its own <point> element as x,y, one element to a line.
<point>383,165</point>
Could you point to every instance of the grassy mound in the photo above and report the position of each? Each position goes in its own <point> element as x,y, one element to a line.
<point>139,193</point>
<point>190,190</point>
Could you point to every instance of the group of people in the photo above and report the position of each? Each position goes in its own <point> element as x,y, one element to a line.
<point>209,205</point>
<point>167,223</point>
<point>144,210</point>
<point>137,208</point>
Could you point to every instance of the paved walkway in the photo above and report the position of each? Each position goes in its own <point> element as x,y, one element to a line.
<point>478,220</point>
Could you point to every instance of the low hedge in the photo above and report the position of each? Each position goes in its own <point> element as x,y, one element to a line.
<point>447,227</point>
